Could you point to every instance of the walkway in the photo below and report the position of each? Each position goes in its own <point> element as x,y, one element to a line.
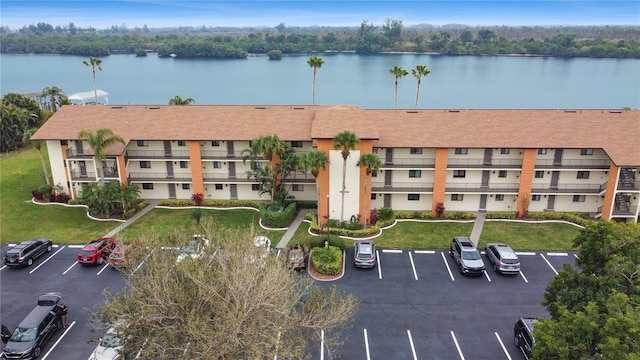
<point>477,227</point>
<point>139,214</point>
<point>292,229</point>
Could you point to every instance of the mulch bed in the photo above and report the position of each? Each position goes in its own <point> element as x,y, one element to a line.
<point>312,270</point>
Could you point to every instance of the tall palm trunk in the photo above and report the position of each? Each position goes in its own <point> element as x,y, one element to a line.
<point>344,187</point>
<point>417,94</point>
<point>314,86</point>
<point>95,89</point>
<point>44,165</point>
<point>366,178</point>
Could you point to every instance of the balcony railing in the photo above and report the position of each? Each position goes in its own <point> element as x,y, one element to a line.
<point>220,154</point>
<point>86,176</point>
<point>399,186</point>
<point>74,154</point>
<point>152,176</point>
<point>569,188</point>
<point>410,161</point>
<point>628,184</point>
<point>157,154</point>
<point>480,163</point>
<point>475,187</point>
<point>574,163</point>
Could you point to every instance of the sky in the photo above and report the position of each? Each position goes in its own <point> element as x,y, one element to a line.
<point>102,14</point>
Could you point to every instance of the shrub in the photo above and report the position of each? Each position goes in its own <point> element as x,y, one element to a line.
<point>37,195</point>
<point>278,219</point>
<point>373,217</point>
<point>385,214</point>
<point>46,191</point>
<point>197,199</point>
<point>62,198</point>
<point>327,261</point>
<point>439,209</point>
<point>318,241</point>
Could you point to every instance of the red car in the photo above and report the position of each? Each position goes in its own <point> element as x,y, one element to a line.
<point>96,251</point>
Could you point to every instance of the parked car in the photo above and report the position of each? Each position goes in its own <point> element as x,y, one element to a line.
<point>109,347</point>
<point>297,257</point>
<point>24,253</point>
<point>466,255</point>
<point>522,335</point>
<point>96,251</point>
<point>503,258</point>
<point>193,248</point>
<point>364,254</point>
<point>32,334</point>
<point>117,258</point>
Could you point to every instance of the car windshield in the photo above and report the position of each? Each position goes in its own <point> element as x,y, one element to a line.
<point>510,261</point>
<point>189,248</point>
<point>86,252</point>
<point>110,340</point>
<point>471,255</point>
<point>24,334</point>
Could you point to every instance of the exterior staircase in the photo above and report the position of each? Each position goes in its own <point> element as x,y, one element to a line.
<point>622,203</point>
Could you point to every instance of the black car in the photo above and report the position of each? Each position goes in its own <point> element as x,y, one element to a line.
<point>24,253</point>
<point>31,335</point>
<point>522,335</point>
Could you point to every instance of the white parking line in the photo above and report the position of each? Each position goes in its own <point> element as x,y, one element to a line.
<point>557,254</point>
<point>45,260</point>
<point>379,268</point>
<point>69,268</point>
<point>502,345</point>
<point>487,275</point>
<point>413,349</point>
<point>366,344</point>
<point>321,344</point>
<point>521,274</point>
<point>457,346</point>
<point>75,246</point>
<point>57,342</point>
<point>424,251</point>
<point>525,253</point>
<point>393,251</point>
<point>104,267</point>
<point>413,266</point>
<point>576,256</point>
<point>447,265</point>
<point>548,263</point>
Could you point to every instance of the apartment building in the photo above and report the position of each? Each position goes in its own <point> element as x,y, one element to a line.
<point>467,160</point>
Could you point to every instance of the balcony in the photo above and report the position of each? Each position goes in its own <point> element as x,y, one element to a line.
<point>458,163</point>
<point>158,176</point>
<point>156,154</point>
<point>574,164</point>
<point>505,188</point>
<point>220,154</point>
<point>300,178</point>
<point>568,188</point>
<point>74,154</point>
<point>403,187</point>
<point>83,177</point>
<point>410,163</point>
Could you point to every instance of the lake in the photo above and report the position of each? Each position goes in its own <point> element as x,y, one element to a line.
<point>456,82</point>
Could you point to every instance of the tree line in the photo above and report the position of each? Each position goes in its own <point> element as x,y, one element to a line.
<point>391,36</point>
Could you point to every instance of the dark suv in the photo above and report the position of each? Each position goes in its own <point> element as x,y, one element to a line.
<point>522,336</point>
<point>35,330</point>
<point>466,256</point>
<point>24,253</point>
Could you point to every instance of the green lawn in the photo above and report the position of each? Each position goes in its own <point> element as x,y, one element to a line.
<point>21,172</point>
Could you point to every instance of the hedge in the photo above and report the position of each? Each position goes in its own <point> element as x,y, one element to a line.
<point>327,261</point>
<point>278,219</point>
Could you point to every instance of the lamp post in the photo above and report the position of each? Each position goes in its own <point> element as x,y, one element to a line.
<point>328,214</point>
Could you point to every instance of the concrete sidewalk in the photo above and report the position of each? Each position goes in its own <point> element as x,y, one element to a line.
<point>292,229</point>
<point>477,227</point>
<point>139,214</point>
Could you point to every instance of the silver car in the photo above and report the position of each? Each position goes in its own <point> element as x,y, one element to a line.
<point>466,255</point>
<point>364,254</point>
<point>503,258</point>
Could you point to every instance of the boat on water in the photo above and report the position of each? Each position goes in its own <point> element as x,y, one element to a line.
<point>89,98</point>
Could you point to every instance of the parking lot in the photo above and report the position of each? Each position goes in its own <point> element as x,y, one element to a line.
<point>414,304</point>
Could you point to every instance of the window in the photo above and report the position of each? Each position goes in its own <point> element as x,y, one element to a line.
<point>579,198</point>
<point>415,151</point>
<point>586,151</point>
<point>539,174</point>
<point>542,151</point>
<point>504,151</point>
<point>297,187</point>
<point>499,197</point>
<point>143,143</point>
<point>186,186</point>
<point>218,186</point>
<point>184,165</point>
<point>457,197</point>
<point>296,144</point>
<point>502,173</point>
<point>413,197</point>
<point>215,143</point>
<point>459,173</point>
<point>462,151</point>
<point>145,164</point>
<point>182,143</point>
<point>373,196</point>
<point>535,197</point>
<point>374,174</point>
<point>415,173</point>
<point>582,175</point>
<point>147,186</point>
<point>255,187</point>
<point>217,165</point>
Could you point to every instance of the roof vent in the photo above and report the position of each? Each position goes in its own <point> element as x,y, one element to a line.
<point>615,111</point>
<point>570,111</point>
<point>454,111</point>
<point>298,108</point>
<point>116,107</point>
<point>154,107</point>
<point>412,111</point>
<point>261,107</point>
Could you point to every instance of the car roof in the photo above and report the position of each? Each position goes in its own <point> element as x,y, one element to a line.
<point>365,245</point>
<point>504,250</point>
<point>528,322</point>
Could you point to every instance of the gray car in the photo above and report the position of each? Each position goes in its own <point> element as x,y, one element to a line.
<point>466,255</point>
<point>364,254</point>
<point>503,258</point>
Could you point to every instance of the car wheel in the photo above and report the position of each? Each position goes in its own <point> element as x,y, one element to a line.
<point>59,324</point>
<point>460,268</point>
<point>49,248</point>
<point>515,341</point>
<point>29,262</point>
<point>451,252</point>
<point>495,268</point>
<point>36,351</point>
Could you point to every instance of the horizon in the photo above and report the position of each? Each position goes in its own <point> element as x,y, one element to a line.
<point>310,13</point>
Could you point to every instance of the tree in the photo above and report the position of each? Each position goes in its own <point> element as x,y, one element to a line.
<point>372,163</point>
<point>316,63</point>
<point>14,121</point>
<point>418,73</point>
<point>397,72</point>
<point>227,305</point>
<point>177,100</point>
<point>312,161</point>
<point>94,63</point>
<point>38,145</point>
<point>393,29</point>
<point>55,94</point>
<point>345,141</point>
<point>270,176</point>
<point>99,141</point>
<point>594,310</point>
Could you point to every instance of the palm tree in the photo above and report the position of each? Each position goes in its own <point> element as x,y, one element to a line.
<point>94,63</point>
<point>418,73</point>
<point>372,163</point>
<point>99,142</point>
<point>130,196</point>
<point>55,94</point>
<point>316,63</point>
<point>398,72</point>
<point>14,121</point>
<point>38,145</point>
<point>312,161</point>
<point>345,141</point>
<point>177,100</point>
<point>270,176</point>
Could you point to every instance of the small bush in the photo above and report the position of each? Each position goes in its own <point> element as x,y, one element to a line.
<point>318,241</point>
<point>439,209</point>
<point>37,195</point>
<point>327,261</point>
<point>278,219</point>
<point>197,199</point>
<point>46,191</point>
<point>385,214</point>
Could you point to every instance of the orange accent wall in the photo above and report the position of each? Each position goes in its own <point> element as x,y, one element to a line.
<point>197,184</point>
<point>122,169</point>
<point>325,145</point>
<point>526,177</point>
<point>365,147</point>
<point>440,177</point>
<point>64,149</point>
<point>609,196</point>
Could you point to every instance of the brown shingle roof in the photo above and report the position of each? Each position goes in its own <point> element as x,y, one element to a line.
<point>617,132</point>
